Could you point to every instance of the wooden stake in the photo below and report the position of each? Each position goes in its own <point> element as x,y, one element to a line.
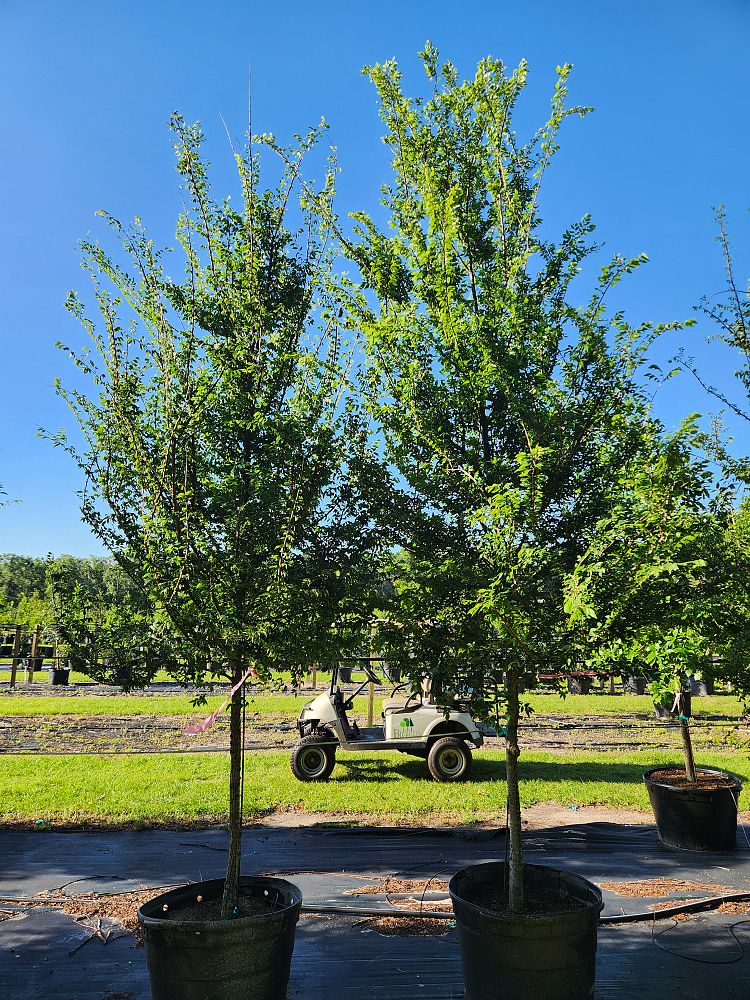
<point>16,657</point>
<point>370,703</point>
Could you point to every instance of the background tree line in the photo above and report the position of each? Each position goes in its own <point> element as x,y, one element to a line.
<point>28,585</point>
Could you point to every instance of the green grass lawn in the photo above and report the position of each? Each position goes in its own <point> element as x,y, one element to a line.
<point>16,703</point>
<point>161,677</point>
<point>119,705</point>
<point>42,676</point>
<point>628,704</point>
<point>178,789</point>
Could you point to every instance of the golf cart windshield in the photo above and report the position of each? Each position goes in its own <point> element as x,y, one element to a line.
<point>356,663</point>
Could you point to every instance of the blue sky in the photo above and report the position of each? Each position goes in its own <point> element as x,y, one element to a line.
<point>89,86</point>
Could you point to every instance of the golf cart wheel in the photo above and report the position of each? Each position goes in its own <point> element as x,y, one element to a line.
<point>313,758</point>
<point>449,759</point>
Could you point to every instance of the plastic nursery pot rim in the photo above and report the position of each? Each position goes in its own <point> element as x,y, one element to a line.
<point>587,893</point>
<point>694,790</point>
<point>152,913</point>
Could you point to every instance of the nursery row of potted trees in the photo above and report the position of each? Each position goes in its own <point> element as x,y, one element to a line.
<point>258,437</point>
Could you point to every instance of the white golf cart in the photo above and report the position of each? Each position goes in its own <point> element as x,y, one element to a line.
<point>413,724</point>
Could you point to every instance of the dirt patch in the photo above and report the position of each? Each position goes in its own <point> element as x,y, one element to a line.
<point>651,887</point>
<point>537,817</point>
<point>134,733</point>
<point>271,731</point>
<point>545,814</point>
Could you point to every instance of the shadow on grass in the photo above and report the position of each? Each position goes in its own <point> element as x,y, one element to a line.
<point>371,770</point>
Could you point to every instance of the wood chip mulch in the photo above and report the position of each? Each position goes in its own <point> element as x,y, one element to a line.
<point>662,887</point>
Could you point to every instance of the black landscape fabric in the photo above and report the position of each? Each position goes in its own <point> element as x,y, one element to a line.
<point>46,953</point>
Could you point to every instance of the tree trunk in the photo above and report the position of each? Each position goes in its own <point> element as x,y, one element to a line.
<point>231,884</point>
<point>687,742</point>
<point>512,753</point>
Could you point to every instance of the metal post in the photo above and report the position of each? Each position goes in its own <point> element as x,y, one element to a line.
<point>32,658</point>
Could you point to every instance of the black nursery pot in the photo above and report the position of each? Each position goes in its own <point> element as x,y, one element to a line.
<point>60,676</point>
<point>526,956</point>
<point>579,685</point>
<point>695,819</point>
<point>635,685</point>
<point>248,958</point>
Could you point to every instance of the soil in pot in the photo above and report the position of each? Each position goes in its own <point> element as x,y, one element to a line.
<point>210,909</point>
<point>545,953</point>
<point>677,778</point>
<point>194,955</point>
<point>694,816</point>
<point>538,902</point>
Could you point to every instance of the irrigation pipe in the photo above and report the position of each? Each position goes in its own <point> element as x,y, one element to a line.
<point>375,911</point>
<point>378,911</point>
<point>618,918</point>
<point>688,907</point>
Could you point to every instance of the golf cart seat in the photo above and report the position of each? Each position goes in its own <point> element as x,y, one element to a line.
<point>401,706</point>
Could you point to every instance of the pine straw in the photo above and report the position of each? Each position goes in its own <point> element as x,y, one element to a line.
<point>679,917</point>
<point>391,884</point>
<point>122,908</point>
<point>740,909</point>
<point>662,887</point>
<point>730,907</point>
<point>405,926</point>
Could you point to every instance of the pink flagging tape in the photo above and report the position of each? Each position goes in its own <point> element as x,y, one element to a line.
<point>202,727</point>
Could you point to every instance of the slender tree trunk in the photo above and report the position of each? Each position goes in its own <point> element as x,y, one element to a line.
<point>687,742</point>
<point>231,884</point>
<point>512,753</point>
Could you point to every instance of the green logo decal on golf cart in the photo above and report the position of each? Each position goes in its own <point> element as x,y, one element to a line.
<point>404,726</point>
